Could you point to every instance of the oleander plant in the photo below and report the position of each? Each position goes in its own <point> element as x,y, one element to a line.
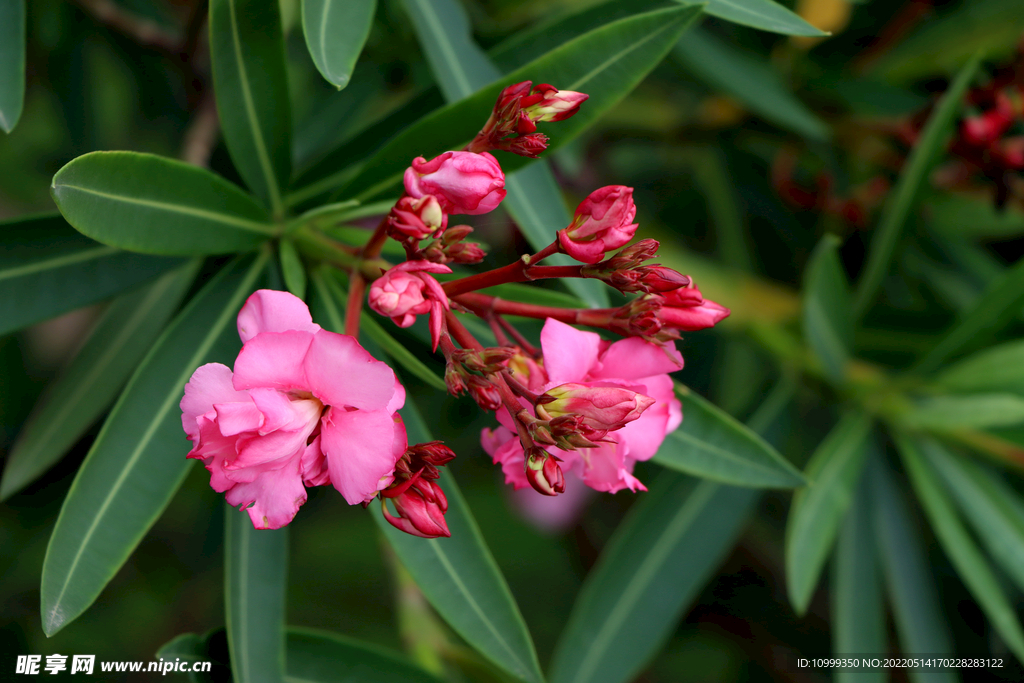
<point>513,341</point>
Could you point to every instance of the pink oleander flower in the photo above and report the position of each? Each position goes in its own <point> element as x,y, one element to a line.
<point>603,406</point>
<point>303,407</point>
<point>686,309</point>
<point>603,221</point>
<point>571,356</point>
<point>463,182</point>
<point>406,290</point>
<point>417,218</point>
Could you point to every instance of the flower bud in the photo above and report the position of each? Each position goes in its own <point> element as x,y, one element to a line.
<point>406,290</point>
<point>463,182</point>
<point>465,253</point>
<point>416,218</point>
<point>530,145</point>
<point>456,233</point>
<point>486,361</point>
<point>553,105</point>
<point>602,407</point>
<point>484,392</point>
<point>543,472</point>
<point>686,309</point>
<point>454,380</point>
<point>603,221</point>
<point>421,507</point>
<point>433,453</point>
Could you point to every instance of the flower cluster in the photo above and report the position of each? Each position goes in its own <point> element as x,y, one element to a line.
<point>308,407</point>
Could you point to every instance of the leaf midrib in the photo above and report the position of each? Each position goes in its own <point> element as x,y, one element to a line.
<point>464,86</point>
<point>728,455</point>
<point>201,351</point>
<point>652,562</point>
<point>227,219</point>
<point>55,262</point>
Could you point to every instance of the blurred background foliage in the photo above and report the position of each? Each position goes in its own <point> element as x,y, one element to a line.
<point>744,147</point>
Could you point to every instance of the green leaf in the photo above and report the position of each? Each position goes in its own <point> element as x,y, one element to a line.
<point>255,585</point>
<point>47,268</point>
<point>336,31</point>
<point>606,63</point>
<point>970,564</point>
<point>999,368</point>
<point>827,312</point>
<point>944,413</point>
<point>912,178</point>
<point>188,646</point>
<point>992,506</point>
<point>654,565</point>
<point>957,215</point>
<point>712,444</point>
<point>12,62</point>
<point>750,79</point>
<point>766,15</point>
<point>858,604</point>
<point>943,43</point>
<point>460,68</point>
<point>1000,302</point>
<point>138,459</point>
<point>156,205</point>
<point>920,623</point>
<point>817,511</point>
<point>712,176</point>
<point>84,390</point>
<point>292,269</point>
<point>460,579</point>
<point>251,84</point>
<point>316,656</point>
<point>515,291</point>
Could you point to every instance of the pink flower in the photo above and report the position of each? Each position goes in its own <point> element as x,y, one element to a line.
<point>405,291</point>
<point>463,182</point>
<point>303,407</point>
<point>577,357</point>
<point>686,309</point>
<point>603,221</point>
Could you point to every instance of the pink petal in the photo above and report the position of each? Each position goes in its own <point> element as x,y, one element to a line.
<point>340,372</point>
<point>552,514</point>
<point>313,465</point>
<point>274,360</point>
<point>210,384</point>
<point>276,497</point>
<point>633,358</point>
<point>269,310</point>
<point>642,438</point>
<point>398,399</point>
<point>358,445</point>
<point>569,354</point>
<point>604,468</point>
<point>235,418</point>
<point>281,411</point>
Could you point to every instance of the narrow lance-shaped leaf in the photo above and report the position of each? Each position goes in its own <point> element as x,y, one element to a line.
<point>818,509</point>
<point>920,623</point>
<point>251,84</point>
<point>989,503</point>
<point>292,269</point>
<point>92,380</point>
<point>766,15</point>
<point>712,444</point>
<point>461,68</point>
<point>47,268</point>
<point>138,459</point>
<point>654,565</point>
<point>999,368</point>
<point>255,572</point>
<point>605,63</point>
<point>461,580</point>
<point>335,33</point>
<point>960,548</point>
<point>12,62</point>
<point>321,657</point>
<point>748,78</point>
<point>912,178</point>
<point>946,413</point>
<point>858,603</point>
<point>156,205</point>
<point>827,314</point>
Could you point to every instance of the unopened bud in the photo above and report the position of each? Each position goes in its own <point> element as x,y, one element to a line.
<point>421,508</point>
<point>603,221</point>
<point>416,218</point>
<point>486,361</point>
<point>484,392</point>
<point>454,380</point>
<point>433,453</point>
<point>456,233</point>
<point>543,472</point>
<point>602,407</point>
<point>465,253</point>
<point>553,105</point>
<point>530,145</point>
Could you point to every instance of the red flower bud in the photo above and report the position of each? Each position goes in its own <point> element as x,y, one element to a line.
<point>525,145</point>
<point>416,218</point>
<point>543,472</point>
<point>484,392</point>
<point>421,509</point>
<point>603,221</point>
<point>554,105</point>
<point>463,182</point>
<point>604,408</point>
<point>686,309</point>
<point>433,453</point>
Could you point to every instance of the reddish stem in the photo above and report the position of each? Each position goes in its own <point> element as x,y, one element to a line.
<point>354,309</point>
<point>461,334</point>
<point>523,270</point>
<point>373,247</point>
<point>482,304</point>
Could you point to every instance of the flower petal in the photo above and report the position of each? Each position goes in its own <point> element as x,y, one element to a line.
<point>269,310</point>
<point>633,358</point>
<point>358,445</point>
<point>237,417</point>
<point>340,372</point>
<point>210,384</point>
<point>283,412</point>
<point>569,354</point>
<point>276,497</point>
<point>275,360</point>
